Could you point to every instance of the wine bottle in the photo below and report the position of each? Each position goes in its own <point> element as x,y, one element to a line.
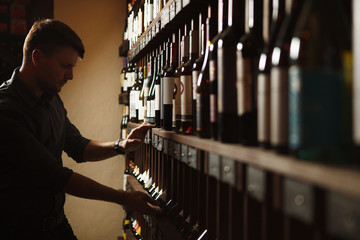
<point>196,67</point>
<point>279,78</point>
<point>226,65</point>
<point>123,126</point>
<point>177,88</point>
<point>123,79</point>
<point>169,85</point>
<point>157,88</point>
<point>320,120</point>
<point>128,77</point>
<point>248,52</point>
<point>215,19</point>
<point>150,86</point>
<point>142,80</point>
<point>356,76</point>
<point>134,98</point>
<point>203,84</point>
<point>166,65</point>
<point>150,11</point>
<point>270,32</point>
<point>197,71</point>
<point>186,80</point>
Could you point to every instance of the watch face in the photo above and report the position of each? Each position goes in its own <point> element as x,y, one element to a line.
<point>117,147</point>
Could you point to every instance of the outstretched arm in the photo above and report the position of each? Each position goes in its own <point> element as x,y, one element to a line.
<point>81,186</point>
<point>97,151</point>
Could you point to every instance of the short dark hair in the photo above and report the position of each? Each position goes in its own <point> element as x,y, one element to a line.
<point>48,35</point>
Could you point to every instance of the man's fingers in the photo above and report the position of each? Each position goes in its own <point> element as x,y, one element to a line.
<point>135,140</point>
<point>151,200</point>
<point>146,125</point>
<point>152,210</point>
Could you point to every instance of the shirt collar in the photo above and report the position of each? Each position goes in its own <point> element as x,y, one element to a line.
<point>29,97</point>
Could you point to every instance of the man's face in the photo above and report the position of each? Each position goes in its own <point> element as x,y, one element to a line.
<point>55,70</point>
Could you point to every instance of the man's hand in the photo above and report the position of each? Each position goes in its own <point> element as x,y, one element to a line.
<point>139,201</point>
<point>136,137</point>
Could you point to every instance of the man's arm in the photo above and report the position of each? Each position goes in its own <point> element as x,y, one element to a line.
<point>81,186</point>
<point>97,151</point>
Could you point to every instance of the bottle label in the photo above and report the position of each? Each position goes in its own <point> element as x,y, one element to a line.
<point>125,181</point>
<point>195,76</point>
<point>123,133</point>
<point>177,107</point>
<point>157,97</point>
<point>186,98</point>
<point>212,70</point>
<point>263,94</point>
<point>244,84</point>
<point>168,84</point>
<point>128,80</point>
<point>123,81</point>
<point>202,111</point>
<point>141,110</point>
<point>226,75</point>
<point>150,12</point>
<point>146,95</point>
<point>152,106</point>
<point>279,106</point>
<point>213,91</point>
<point>162,98</point>
<point>315,116</point>
<point>148,108</point>
<point>134,99</point>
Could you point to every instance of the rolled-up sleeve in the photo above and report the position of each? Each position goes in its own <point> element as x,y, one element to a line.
<point>75,143</point>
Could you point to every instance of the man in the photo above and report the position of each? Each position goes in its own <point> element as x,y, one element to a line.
<point>35,129</point>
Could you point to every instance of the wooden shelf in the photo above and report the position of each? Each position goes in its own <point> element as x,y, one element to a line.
<point>339,178</point>
<point>166,227</point>
<point>140,49</point>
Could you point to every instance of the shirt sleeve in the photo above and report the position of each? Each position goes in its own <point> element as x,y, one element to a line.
<point>75,143</point>
<point>20,150</point>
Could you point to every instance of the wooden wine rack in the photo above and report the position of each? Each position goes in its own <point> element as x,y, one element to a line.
<point>255,192</point>
<point>241,192</point>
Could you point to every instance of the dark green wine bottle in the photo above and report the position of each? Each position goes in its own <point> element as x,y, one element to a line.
<point>320,82</point>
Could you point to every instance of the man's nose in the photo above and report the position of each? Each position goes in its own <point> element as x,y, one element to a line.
<point>69,74</point>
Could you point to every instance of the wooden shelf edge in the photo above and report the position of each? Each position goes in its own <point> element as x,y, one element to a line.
<point>166,227</point>
<point>339,178</point>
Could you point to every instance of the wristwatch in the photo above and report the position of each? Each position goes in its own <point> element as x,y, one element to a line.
<point>117,147</point>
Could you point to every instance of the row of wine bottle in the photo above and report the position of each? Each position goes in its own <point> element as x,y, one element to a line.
<point>170,208</point>
<point>140,14</point>
<point>279,77</point>
<point>130,223</point>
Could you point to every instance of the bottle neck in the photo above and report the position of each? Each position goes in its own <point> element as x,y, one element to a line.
<point>185,49</point>
<point>236,10</point>
<point>203,39</point>
<point>173,54</point>
<point>212,20</point>
<point>167,54</point>
<point>194,44</point>
<point>253,16</point>
<point>222,15</point>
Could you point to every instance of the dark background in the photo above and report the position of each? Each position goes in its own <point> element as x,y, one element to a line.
<point>16,18</point>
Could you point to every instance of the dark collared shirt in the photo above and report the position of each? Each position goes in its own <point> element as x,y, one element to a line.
<point>33,134</point>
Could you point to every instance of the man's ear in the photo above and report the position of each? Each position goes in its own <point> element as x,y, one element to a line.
<point>36,57</point>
